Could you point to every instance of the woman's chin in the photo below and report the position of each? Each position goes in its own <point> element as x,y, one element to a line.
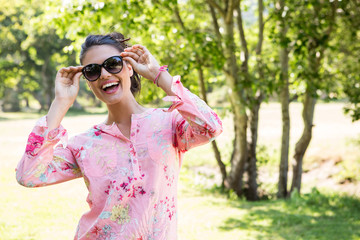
<point>110,99</point>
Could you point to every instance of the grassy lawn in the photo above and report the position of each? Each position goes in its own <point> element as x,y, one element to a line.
<point>53,212</point>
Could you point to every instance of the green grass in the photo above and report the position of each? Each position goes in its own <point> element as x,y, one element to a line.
<point>204,213</point>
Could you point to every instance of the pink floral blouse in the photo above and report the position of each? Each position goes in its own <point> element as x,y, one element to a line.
<point>132,182</point>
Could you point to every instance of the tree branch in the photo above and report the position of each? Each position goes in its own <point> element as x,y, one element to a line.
<point>230,10</point>
<point>216,24</point>
<point>261,27</point>
<point>178,18</point>
<point>242,38</point>
<point>217,6</point>
<point>332,17</point>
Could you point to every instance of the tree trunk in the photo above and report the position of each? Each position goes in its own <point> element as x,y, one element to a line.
<point>11,100</point>
<point>316,45</point>
<point>285,138</point>
<point>39,96</point>
<point>77,106</point>
<point>27,103</point>
<point>236,94</point>
<point>213,143</point>
<point>45,87</point>
<point>284,99</point>
<point>303,143</point>
<point>239,156</point>
<point>251,192</point>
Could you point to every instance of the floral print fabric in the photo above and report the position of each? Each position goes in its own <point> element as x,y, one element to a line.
<point>132,182</point>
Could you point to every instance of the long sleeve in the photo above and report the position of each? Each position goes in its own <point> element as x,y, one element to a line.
<point>44,162</point>
<point>194,123</point>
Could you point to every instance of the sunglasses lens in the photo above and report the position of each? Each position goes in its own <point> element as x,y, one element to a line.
<point>113,64</point>
<point>92,72</point>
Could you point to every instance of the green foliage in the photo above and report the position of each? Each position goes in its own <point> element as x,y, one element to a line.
<point>344,57</point>
<point>160,32</point>
<point>28,58</point>
<point>266,156</point>
<point>320,202</point>
<point>184,46</point>
<point>308,43</point>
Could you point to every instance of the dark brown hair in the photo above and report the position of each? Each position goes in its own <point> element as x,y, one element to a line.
<point>117,41</point>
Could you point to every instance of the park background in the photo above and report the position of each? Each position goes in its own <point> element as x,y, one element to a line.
<point>283,75</point>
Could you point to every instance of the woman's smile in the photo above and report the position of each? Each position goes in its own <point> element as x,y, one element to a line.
<point>110,86</point>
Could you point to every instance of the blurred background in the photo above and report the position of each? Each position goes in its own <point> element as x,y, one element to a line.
<point>284,76</point>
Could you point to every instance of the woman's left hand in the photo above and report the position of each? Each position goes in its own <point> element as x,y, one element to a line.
<point>142,61</point>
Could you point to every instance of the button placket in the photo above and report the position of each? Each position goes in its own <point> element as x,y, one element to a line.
<point>133,153</point>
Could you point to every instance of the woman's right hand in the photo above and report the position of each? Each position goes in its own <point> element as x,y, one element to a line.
<point>67,84</point>
<point>66,89</point>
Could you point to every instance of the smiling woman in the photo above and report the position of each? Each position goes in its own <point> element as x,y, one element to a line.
<point>130,162</point>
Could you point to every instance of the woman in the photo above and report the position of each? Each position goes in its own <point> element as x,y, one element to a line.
<point>130,162</point>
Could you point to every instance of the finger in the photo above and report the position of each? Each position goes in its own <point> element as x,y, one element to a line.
<point>140,47</point>
<point>68,72</point>
<point>138,52</point>
<point>134,50</point>
<point>71,75</point>
<point>73,71</point>
<point>132,62</point>
<point>77,68</point>
<point>130,54</point>
<point>71,68</point>
<point>65,74</point>
<point>61,71</point>
<point>77,79</point>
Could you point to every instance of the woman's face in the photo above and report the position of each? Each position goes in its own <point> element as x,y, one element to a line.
<point>109,88</point>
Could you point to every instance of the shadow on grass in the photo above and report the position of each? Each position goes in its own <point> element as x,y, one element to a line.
<point>308,217</point>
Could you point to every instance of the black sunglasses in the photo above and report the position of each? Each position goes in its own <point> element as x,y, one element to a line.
<point>92,71</point>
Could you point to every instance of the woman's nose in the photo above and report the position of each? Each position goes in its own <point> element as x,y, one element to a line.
<point>104,73</point>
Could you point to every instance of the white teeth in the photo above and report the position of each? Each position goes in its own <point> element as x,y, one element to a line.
<point>109,85</point>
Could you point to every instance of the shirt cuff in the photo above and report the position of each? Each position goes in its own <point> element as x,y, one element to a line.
<point>178,89</point>
<point>53,136</point>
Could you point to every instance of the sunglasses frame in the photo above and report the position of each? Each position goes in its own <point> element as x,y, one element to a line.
<point>103,65</point>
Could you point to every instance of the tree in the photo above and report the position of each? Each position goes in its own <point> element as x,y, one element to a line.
<point>32,51</point>
<point>282,17</point>
<point>248,88</point>
<point>347,50</point>
<point>311,41</point>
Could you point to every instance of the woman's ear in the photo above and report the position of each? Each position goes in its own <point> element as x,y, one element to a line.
<point>130,68</point>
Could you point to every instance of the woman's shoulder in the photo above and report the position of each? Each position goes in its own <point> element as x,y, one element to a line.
<point>91,131</point>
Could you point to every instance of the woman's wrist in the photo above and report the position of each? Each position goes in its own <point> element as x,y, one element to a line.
<point>164,81</point>
<point>161,69</point>
<point>63,102</point>
<point>57,112</point>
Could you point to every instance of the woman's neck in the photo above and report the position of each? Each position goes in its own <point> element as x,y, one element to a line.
<point>121,112</point>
